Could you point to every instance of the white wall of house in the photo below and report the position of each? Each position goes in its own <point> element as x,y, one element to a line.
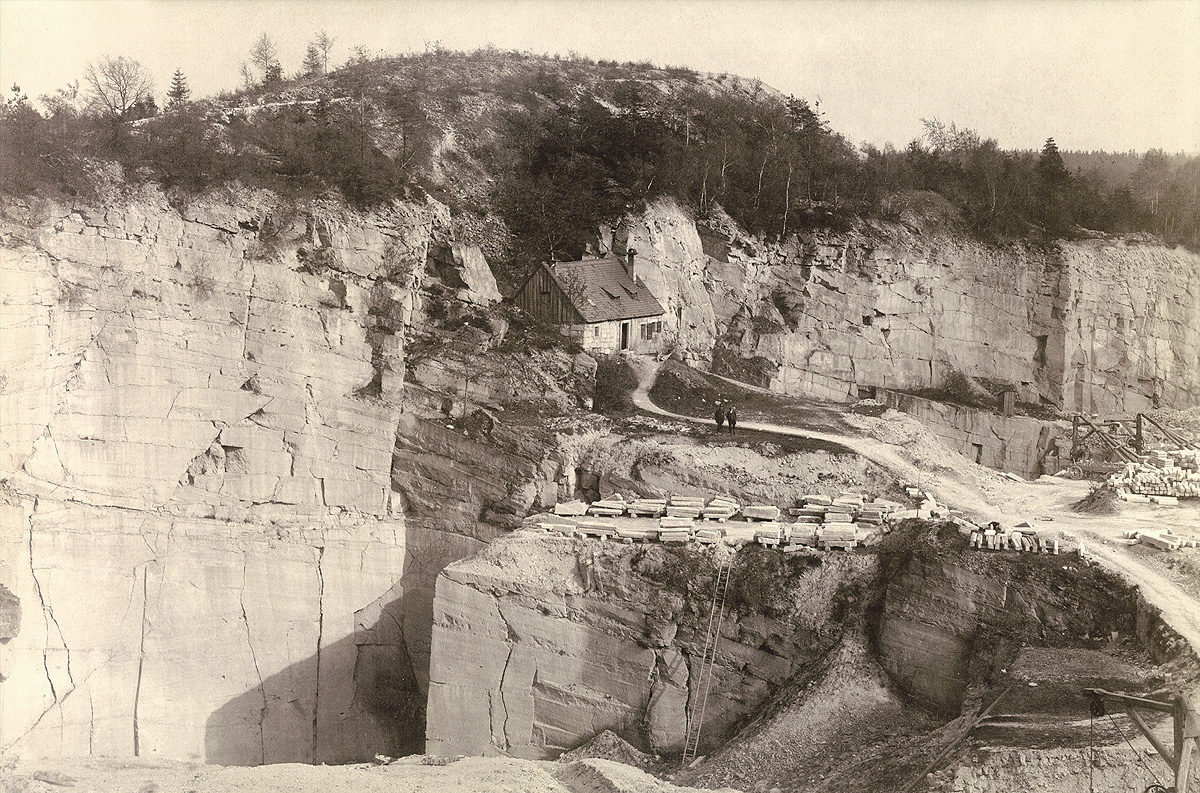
<point>645,335</point>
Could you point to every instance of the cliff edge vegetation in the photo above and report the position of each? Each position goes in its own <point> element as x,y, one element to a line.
<point>533,154</point>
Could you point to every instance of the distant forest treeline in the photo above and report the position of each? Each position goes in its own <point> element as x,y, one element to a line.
<point>554,148</point>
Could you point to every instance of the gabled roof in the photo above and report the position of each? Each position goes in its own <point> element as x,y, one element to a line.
<point>601,290</point>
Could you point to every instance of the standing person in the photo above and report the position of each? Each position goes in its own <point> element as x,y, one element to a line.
<point>731,418</point>
<point>719,416</point>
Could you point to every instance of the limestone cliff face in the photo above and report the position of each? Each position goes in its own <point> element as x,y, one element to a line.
<point>1110,325</point>
<point>541,642</point>
<point>197,420</point>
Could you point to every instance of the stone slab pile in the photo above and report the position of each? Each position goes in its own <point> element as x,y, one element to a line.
<point>1163,539</point>
<point>760,512</point>
<point>1023,540</point>
<point>571,508</point>
<point>648,507</point>
<point>721,509</point>
<point>686,506</point>
<point>1172,474</point>
<point>611,507</point>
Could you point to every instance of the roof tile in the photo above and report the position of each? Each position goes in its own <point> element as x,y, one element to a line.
<point>605,290</point>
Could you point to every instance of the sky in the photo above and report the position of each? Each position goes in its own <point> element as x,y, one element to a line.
<point>1116,76</point>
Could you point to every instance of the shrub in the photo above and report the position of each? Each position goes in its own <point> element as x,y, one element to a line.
<point>675,569</point>
<point>615,382</point>
<point>760,579</point>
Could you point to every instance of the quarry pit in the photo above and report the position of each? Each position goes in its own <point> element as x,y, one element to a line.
<point>261,512</point>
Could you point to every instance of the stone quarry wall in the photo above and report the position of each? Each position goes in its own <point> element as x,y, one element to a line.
<point>1094,325</point>
<point>197,421</point>
<point>945,622</point>
<point>541,642</point>
<point>1013,443</point>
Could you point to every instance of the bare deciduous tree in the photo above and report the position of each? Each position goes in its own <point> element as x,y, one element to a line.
<point>324,43</point>
<point>264,55</point>
<point>117,84</point>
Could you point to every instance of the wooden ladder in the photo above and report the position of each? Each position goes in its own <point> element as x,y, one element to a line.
<point>695,714</point>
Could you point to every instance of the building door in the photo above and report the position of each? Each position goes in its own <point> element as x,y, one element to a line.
<point>625,335</point>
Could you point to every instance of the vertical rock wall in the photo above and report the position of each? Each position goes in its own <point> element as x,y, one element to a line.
<point>1094,325</point>
<point>541,641</point>
<point>1015,443</point>
<point>945,622</point>
<point>197,508</point>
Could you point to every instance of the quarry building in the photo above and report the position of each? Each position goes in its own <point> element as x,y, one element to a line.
<point>601,303</point>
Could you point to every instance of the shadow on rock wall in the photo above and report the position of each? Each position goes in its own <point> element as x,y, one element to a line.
<point>357,698</point>
<point>370,697</point>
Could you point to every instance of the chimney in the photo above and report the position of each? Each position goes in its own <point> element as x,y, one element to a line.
<point>630,266</point>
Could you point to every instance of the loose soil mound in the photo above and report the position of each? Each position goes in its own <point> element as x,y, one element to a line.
<point>825,738</point>
<point>609,746</point>
<point>1101,501</point>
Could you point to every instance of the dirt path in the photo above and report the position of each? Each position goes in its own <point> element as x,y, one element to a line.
<point>947,489</point>
<point>1038,502</point>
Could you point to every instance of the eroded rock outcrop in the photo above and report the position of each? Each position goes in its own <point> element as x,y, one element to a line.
<point>947,622</point>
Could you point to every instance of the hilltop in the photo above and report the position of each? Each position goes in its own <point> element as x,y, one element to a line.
<point>533,155</point>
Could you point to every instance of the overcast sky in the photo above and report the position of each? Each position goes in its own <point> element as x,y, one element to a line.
<point>1094,75</point>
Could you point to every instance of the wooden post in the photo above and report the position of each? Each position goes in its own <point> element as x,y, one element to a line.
<point>1008,400</point>
<point>1136,718</point>
<point>1182,745</point>
<point>1074,436</point>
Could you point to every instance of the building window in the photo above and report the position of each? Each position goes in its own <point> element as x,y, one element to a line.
<point>595,330</point>
<point>650,330</point>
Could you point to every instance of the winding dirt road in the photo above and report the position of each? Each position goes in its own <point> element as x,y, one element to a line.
<point>1038,502</point>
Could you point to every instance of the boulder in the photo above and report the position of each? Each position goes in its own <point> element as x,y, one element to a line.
<point>463,267</point>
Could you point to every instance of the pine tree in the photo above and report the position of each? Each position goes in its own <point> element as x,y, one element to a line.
<point>1052,186</point>
<point>313,64</point>
<point>179,91</point>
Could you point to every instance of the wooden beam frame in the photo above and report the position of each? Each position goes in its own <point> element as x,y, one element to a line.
<point>1186,732</point>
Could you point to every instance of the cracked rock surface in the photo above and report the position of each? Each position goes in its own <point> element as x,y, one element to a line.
<point>541,641</point>
<point>1098,325</point>
<point>197,512</point>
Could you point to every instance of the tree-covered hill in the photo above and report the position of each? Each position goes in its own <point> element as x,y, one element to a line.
<point>534,153</point>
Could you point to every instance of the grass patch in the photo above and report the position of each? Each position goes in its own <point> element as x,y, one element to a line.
<point>681,389</point>
<point>981,394</point>
<point>756,371</point>
<point>676,569</point>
